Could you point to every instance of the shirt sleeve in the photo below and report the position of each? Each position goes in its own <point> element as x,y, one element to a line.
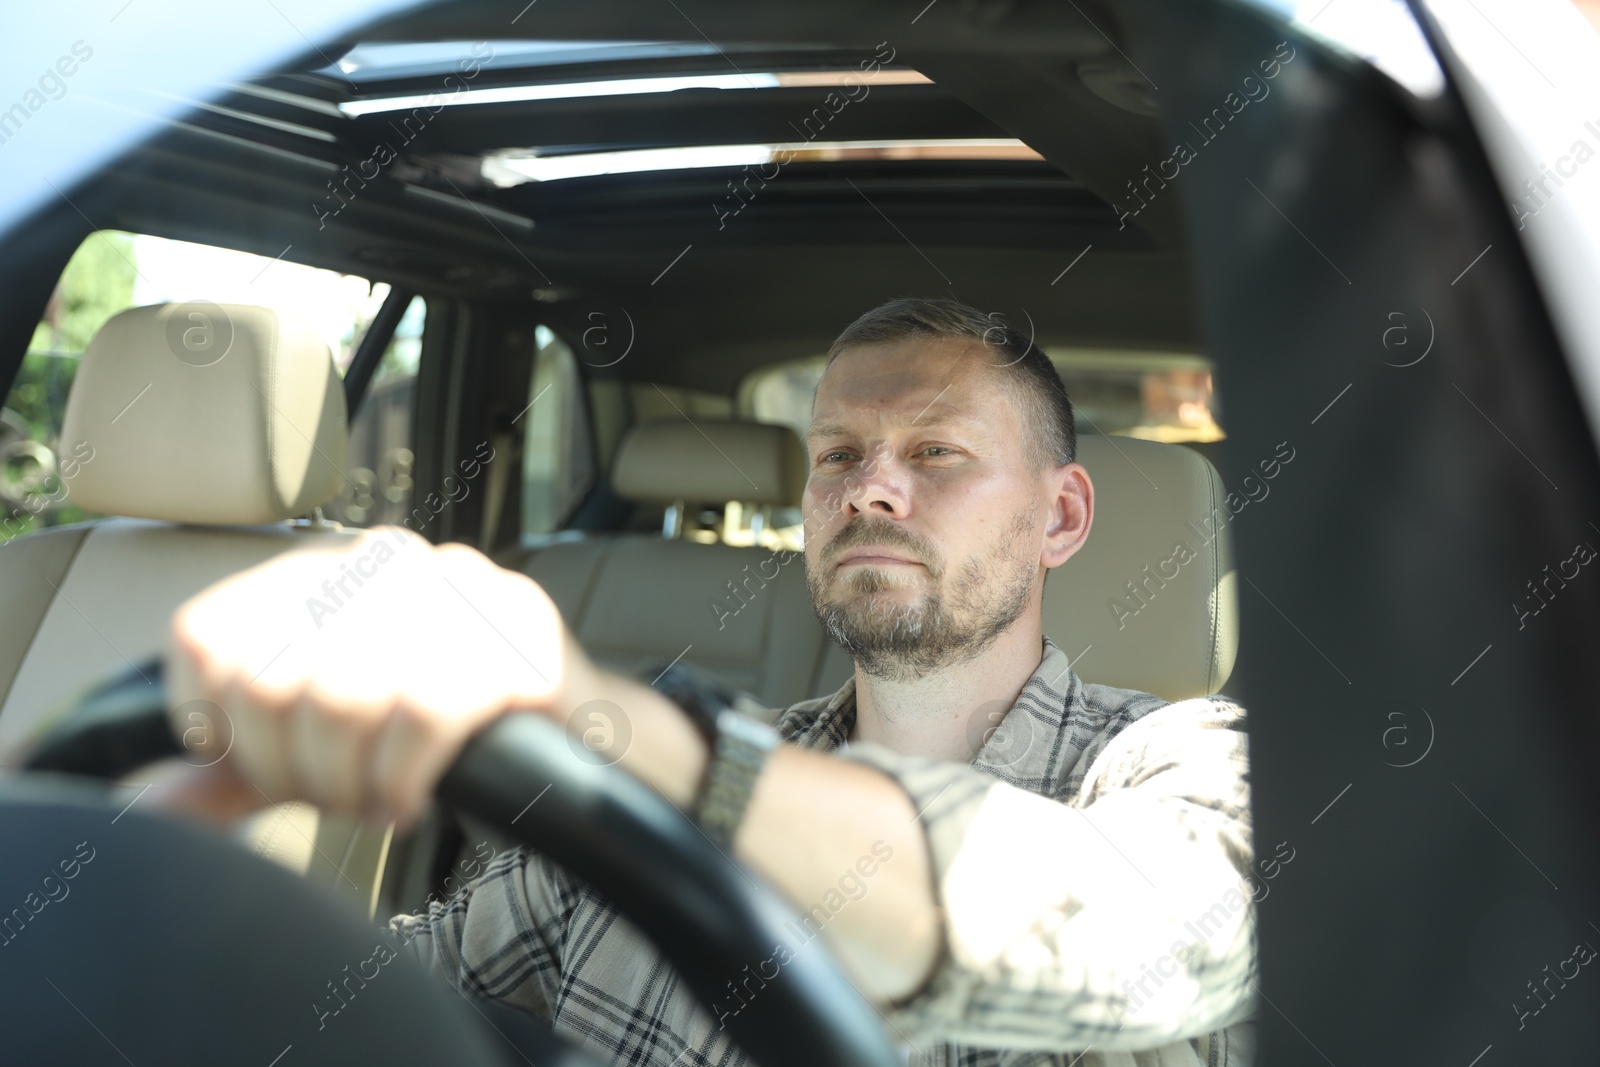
<point>500,936</point>
<point>1120,916</point>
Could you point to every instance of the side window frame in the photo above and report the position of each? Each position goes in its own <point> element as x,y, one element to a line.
<point>393,470</point>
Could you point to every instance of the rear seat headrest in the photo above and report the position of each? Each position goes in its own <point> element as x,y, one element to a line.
<point>711,461</point>
<point>206,413</point>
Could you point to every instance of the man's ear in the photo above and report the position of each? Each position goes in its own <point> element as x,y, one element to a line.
<point>1071,509</point>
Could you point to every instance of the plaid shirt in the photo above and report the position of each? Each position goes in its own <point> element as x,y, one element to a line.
<point>1093,865</point>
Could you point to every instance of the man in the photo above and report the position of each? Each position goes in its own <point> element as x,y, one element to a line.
<point>1026,890</point>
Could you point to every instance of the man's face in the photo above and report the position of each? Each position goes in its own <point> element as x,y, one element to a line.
<point>925,510</point>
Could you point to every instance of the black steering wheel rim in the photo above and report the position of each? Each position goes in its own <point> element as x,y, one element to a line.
<point>708,917</point>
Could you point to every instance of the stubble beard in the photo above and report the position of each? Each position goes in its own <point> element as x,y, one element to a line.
<point>905,642</point>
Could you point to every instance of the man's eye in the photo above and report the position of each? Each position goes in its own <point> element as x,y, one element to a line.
<point>938,450</point>
<point>837,457</point>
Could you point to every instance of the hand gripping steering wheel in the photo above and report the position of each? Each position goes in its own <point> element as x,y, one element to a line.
<point>185,947</point>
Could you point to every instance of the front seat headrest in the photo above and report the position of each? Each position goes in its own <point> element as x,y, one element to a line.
<point>711,461</point>
<point>206,413</point>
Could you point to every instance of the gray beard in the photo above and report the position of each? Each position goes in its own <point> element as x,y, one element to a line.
<point>904,642</point>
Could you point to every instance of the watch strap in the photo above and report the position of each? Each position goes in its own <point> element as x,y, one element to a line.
<point>740,751</point>
<point>737,744</point>
<point>697,694</point>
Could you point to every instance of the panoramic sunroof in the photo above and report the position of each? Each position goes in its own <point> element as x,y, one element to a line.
<point>382,60</point>
<point>518,166</point>
<point>510,94</point>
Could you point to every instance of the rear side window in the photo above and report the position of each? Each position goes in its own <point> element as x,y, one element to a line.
<point>113,271</point>
<point>1156,396</point>
<point>558,467</point>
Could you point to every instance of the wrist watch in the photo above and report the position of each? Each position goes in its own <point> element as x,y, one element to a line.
<point>738,748</point>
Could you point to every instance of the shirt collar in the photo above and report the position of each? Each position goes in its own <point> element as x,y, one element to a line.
<point>1013,748</point>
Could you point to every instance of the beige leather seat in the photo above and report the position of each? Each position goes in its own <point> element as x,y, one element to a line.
<point>202,436</point>
<point>1149,602</point>
<point>742,614</point>
<point>1131,608</point>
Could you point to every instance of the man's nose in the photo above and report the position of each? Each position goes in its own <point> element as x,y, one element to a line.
<point>878,486</point>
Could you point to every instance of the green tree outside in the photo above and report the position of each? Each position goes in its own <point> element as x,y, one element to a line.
<point>97,283</point>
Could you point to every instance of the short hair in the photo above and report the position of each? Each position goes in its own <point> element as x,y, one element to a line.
<point>1047,406</point>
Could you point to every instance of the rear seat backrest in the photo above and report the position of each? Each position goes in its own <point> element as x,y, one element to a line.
<point>742,614</point>
<point>235,420</point>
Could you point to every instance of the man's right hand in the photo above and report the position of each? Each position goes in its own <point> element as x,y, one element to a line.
<point>351,677</point>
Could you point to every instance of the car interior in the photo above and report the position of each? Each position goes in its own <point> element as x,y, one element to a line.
<point>617,248</point>
<point>191,473</point>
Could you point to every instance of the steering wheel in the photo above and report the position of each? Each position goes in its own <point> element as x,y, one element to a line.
<point>708,918</point>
